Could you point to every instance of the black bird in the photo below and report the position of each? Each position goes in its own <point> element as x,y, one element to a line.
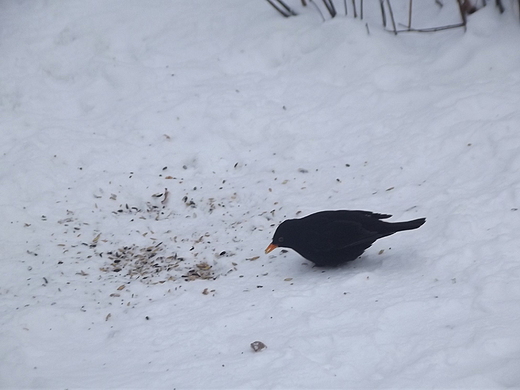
<point>330,238</point>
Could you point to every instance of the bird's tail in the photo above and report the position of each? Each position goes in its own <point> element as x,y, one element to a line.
<point>408,225</point>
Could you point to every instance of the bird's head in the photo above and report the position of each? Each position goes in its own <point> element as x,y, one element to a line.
<point>284,236</point>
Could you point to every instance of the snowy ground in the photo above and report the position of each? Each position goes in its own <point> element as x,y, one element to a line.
<point>151,148</point>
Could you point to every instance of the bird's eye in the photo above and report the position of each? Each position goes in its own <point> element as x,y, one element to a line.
<point>280,239</point>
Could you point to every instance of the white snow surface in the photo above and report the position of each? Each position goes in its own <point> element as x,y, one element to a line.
<point>248,118</point>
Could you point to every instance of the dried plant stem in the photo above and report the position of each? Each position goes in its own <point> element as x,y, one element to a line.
<point>462,13</point>
<point>330,7</point>
<point>282,8</point>
<point>431,29</point>
<point>500,6</point>
<point>391,16</point>
<point>318,8</point>
<point>383,14</point>
<point>410,6</point>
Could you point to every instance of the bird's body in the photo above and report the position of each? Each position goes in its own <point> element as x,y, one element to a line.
<point>329,238</point>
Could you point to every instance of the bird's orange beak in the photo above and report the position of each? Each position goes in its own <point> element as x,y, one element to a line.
<point>270,248</point>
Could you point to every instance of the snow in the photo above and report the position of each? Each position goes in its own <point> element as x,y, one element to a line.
<point>248,118</point>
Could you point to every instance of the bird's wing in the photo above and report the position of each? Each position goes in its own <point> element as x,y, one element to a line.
<point>347,215</point>
<point>357,214</point>
<point>344,234</point>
